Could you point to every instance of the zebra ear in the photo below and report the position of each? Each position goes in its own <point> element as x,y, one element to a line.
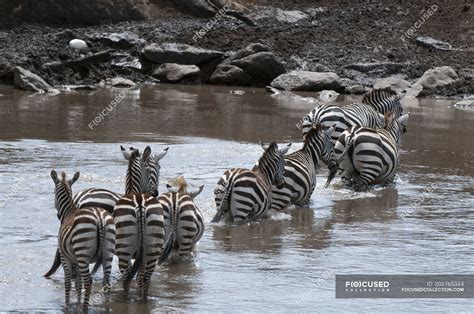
<point>264,146</point>
<point>330,130</point>
<point>128,152</point>
<point>285,149</point>
<point>403,119</point>
<point>74,179</point>
<point>197,192</point>
<point>162,154</point>
<point>54,176</point>
<point>146,152</point>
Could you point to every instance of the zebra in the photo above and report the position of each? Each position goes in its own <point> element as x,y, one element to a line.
<point>106,199</point>
<point>184,223</point>
<point>140,229</point>
<point>243,195</point>
<point>385,100</point>
<point>370,156</point>
<point>300,169</point>
<point>85,235</point>
<point>370,113</point>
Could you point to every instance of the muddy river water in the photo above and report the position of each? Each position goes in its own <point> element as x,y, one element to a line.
<point>422,225</point>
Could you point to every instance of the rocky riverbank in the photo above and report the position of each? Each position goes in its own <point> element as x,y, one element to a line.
<point>342,46</point>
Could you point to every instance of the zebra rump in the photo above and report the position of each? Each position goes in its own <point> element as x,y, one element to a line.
<point>184,223</point>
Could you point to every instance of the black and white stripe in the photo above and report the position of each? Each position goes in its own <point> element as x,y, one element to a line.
<point>86,235</point>
<point>184,223</point>
<point>107,199</point>
<point>243,195</point>
<point>301,166</point>
<point>140,229</point>
<point>371,156</point>
<point>370,113</point>
<point>385,100</point>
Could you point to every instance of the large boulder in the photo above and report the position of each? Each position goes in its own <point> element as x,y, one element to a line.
<point>252,66</point>
<point>366,73</point>
<point>393,82</point>
<point>27,80</point>
<point>177,73</point>
<point>433,79</point>
<point>75,11</point>
<point>180,54</point>
<point>307,81</point>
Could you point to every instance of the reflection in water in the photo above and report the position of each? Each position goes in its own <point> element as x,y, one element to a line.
<point>263,266</point>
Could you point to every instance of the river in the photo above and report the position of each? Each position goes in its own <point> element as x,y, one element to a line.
<point>288,262</point>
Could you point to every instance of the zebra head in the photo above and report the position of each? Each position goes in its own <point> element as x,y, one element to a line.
<point>152,167</point>
<point>272,163</point>
<point>136,179</point>
<point>63,193</point>
<point>396,126</point>
<point>385,100</point>
<point>320,144</point>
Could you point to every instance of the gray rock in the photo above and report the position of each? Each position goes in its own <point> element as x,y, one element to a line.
<point>120,82</point>
<point>126,61</point>
<point>228,74</point>
<point>289,16</point>
<point>356,89</point>
<point>307,81</point>
<point>435,78</point>
<point>465,104</point>
<point>95,58</point>
<point>367,73</point>
<point>119,40</point>
<point>177,73</point>
<point>252,66</point>
<point>180,54</point>
<point>27,80</point>
<point>395,83</point>
<point>303,64</point>
<point>429,42</point>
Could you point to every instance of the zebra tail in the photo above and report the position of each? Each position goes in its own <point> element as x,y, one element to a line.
<point>347,148</point>
<point>100,239</point>
<point>171,238</point>
<point>225,202</point>
<point>55,266</point>
<point>141,247</point>
<point>168,247</point>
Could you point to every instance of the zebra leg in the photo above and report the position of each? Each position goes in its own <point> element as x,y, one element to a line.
<point>87,281</point>
<point>125,268</point>
<point>108,250</point>
<point>67,266</point>
<point>77,281</point>
<point>149,268</point>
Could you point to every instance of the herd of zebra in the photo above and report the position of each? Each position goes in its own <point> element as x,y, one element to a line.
<point>142,227</point>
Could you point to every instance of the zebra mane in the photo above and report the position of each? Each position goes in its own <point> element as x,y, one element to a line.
<point>315,129</point>
<point>375,94</point>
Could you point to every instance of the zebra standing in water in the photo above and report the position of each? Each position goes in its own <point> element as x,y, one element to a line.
<point>85,236</point>
<point>370,156</point>
<point>368,114</point>
<point>140,229</point>
<point>300,169</point>
<point>242,195</point>
<point>107,199</point>
<point>184,224</point>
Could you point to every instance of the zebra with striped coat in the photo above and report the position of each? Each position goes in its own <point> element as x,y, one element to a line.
<point>370,113</point>
<point>140,229</point>
<point>300,169</point>
<point>243,195</point>
<point>184,223</point>
<point>85,236</point>
<point>371,156</point>
<point>107,199</point>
